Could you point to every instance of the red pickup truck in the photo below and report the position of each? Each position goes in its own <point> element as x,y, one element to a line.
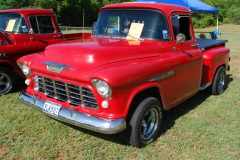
<point>142,58</point>
<point>24,31</point>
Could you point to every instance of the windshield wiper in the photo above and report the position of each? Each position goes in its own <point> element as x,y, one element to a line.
<point>2,30</point>
<point>108,36</point>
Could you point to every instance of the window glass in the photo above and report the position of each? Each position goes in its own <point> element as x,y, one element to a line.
<point>13,23</point>
<point>181,24</point>
<point>118,23</point>
<point>42,24</point>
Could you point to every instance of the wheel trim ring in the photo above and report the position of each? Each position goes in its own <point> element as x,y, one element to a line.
<point>4,78</point>
<point>149,123</point>
<point>221,82</point>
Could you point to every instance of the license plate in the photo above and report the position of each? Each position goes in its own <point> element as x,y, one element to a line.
<point>51,108</point>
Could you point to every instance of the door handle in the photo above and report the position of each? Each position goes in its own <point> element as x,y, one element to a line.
<point>31,38</point>
<point>194,45</point>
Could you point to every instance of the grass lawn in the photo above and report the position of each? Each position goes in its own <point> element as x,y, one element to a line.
<point>203,127</point>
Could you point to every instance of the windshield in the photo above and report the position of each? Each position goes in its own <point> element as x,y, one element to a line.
<point>118,23</point>
<point>13,23</point>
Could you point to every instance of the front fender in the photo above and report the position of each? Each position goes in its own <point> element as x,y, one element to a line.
<point>129,78</point>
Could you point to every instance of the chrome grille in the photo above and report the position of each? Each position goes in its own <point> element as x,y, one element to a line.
<point>66,92</point>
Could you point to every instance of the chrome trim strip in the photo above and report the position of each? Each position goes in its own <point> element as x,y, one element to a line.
<point>81,95</point>
<point>44,85</point>
<point>3,55</point>
<point>76,118</point>
<point>204,86</point>
<point>54,89</point>
<point>67,92</point>
<point>162,76</point>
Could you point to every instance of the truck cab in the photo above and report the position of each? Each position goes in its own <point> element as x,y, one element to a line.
<point>142,59</point>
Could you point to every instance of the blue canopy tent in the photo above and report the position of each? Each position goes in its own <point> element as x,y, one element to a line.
<point>194,6</point>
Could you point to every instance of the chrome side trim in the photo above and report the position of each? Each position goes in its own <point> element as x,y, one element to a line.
<point>204,86</point>
<point>162,76</point>
<point>3,55</point>
<point>76,118</point>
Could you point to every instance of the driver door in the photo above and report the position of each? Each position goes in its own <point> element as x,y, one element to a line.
<point>189,58</point>
<point>43,32</point>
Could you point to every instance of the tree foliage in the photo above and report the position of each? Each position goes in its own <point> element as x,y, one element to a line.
<point>74,12</point>
<point>229,12</point>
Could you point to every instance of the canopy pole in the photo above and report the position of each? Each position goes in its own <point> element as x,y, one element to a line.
<point>217,21</point>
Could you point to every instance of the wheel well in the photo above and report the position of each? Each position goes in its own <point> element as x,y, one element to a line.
<point>214,74</point>
<point>5,65</point>
<point>8,66</point>
<point>150,92</point>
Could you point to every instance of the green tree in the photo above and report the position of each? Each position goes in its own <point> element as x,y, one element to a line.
<point>234,15</point>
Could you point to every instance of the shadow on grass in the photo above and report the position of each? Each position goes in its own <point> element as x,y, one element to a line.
<point>228,80</point>
<point>168,121</point>
<point>183,108</point>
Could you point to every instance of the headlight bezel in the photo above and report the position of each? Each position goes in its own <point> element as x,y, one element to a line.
<point>102,87</point>
<point>25,69</point>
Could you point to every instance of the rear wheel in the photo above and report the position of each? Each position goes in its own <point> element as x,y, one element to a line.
<point>145,122</point>
<point>6,80</point>
<point>219,81</point>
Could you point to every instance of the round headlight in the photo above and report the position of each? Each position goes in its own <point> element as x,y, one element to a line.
<point>25,69</point>
<point>102,88</point>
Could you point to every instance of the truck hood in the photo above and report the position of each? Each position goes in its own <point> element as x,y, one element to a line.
<point>81,57</point>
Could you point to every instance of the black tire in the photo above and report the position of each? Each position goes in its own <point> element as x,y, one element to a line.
<point>219,81</point>
<point>145,122</point>
<point>7,81</point>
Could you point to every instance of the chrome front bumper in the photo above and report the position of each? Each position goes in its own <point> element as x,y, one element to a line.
<point>77,118</point>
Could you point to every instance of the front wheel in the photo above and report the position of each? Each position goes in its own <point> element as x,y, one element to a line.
<point>6,81</point>
<point>145,122</point>
<point>219,81</point>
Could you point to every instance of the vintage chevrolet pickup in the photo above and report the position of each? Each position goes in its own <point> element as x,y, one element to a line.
<point>24,31</point>
<point>142,58</point>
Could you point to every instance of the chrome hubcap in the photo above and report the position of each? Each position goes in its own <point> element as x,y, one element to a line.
<point>221,81</point>
<point>4,82</point>
<point>149,123</point>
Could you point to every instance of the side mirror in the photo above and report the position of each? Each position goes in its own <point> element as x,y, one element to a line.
<point>31,31</point>
<point>180,38</point>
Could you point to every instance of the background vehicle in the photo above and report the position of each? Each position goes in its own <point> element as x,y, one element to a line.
<point>25,31</point>
<point>115,80</point>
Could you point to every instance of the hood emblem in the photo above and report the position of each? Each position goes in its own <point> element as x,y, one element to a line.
<point>56,67</point>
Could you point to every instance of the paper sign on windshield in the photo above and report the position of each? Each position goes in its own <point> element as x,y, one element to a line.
<point>10,25</point>
<point>135,31</point>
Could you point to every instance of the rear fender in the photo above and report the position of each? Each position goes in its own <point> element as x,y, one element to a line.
<point>212,59</point>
